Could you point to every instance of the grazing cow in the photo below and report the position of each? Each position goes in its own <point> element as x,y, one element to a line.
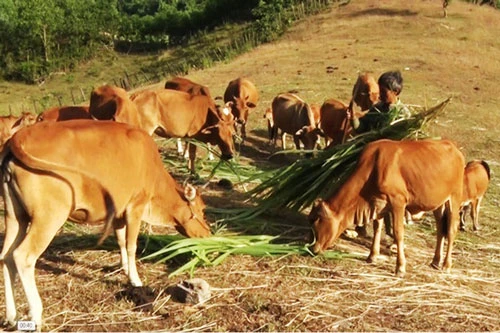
<point>177,114</point>
<point>54,171</point>
<point>294,116</point>
<point>365,93</point>
<point>64,113</point>
<point>392,176</point>
<point>11,124</point>
<point>476,180</point>
<point>113,103</point>
<point>242,95</point>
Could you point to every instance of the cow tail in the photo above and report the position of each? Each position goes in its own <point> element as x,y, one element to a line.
<point>487,168</point>
<point>110,217</point>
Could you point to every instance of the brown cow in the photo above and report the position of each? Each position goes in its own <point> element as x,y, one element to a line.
<point>177,114</point>
<point>64,113</point>
<point>54,171</point>
<point>365,93</point>
<point>242,95</point>
<point>389,178</point>
<point>294,116</point>
<point>476,180</point>
<point>11,124</point>
<point>113,103</point>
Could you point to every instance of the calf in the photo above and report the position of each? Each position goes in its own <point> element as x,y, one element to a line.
<point>476,180</point>
<point>389,179</point>
<point>54,171</point>
<point>294,116</point>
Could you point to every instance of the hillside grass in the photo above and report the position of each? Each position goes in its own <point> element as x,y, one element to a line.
<point>83,288</point>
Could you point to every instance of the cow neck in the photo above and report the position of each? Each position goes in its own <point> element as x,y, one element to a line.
<point>167,203</point>
<point>347,202</point>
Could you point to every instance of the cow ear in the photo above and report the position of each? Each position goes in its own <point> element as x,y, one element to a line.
<point>208,130</point>
<point>189,192</point>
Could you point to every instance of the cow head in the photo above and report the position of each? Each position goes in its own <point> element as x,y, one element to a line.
<point>219,132</point>
<point>325,226</point>
<point>309,136</point>
<point>194,225</point>
<point>240,107</point>
<point>24,120</point>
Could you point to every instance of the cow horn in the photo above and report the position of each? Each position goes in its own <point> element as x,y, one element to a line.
<point>189,192</point>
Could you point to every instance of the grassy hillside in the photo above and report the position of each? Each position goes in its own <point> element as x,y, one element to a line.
<point>83,289</point>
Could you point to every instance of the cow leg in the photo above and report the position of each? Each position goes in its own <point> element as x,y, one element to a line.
<point>134,215</point>
<point>377,234</point>
<point>44,225</point>
<point>296,140</point>
<point>440,216</point>
<point>399,233</point>
<point>474,213</point>
<point>210,153</point>
<point>463,215</point>
<point>243,132</point>
<point>16,223</point>
<point>283,140</point>
<point>180,148</point>
<point>121,239</point>
<point>192,157</point>
<point>452,224</point>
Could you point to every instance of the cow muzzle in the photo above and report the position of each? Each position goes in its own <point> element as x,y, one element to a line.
<point>226,157</point>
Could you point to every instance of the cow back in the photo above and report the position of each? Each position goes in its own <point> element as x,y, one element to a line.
<point>64,113</point>
<point>113,103</point>
<point>186,85</point>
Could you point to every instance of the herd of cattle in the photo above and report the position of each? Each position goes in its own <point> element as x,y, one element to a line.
<point>99,164</point>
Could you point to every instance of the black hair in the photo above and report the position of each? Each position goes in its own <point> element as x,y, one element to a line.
<point>391,80</point>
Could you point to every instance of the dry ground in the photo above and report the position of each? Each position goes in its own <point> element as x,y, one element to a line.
<point>83,290</point>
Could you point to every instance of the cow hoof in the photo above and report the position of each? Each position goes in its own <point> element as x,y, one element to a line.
<point>371,259</point>
<point>435,266</point>
<point>400,274</point>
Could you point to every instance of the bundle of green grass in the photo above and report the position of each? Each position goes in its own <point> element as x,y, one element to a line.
<point>295,187</point>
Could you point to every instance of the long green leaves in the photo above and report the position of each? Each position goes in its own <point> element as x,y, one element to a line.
<point>214,250</point>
